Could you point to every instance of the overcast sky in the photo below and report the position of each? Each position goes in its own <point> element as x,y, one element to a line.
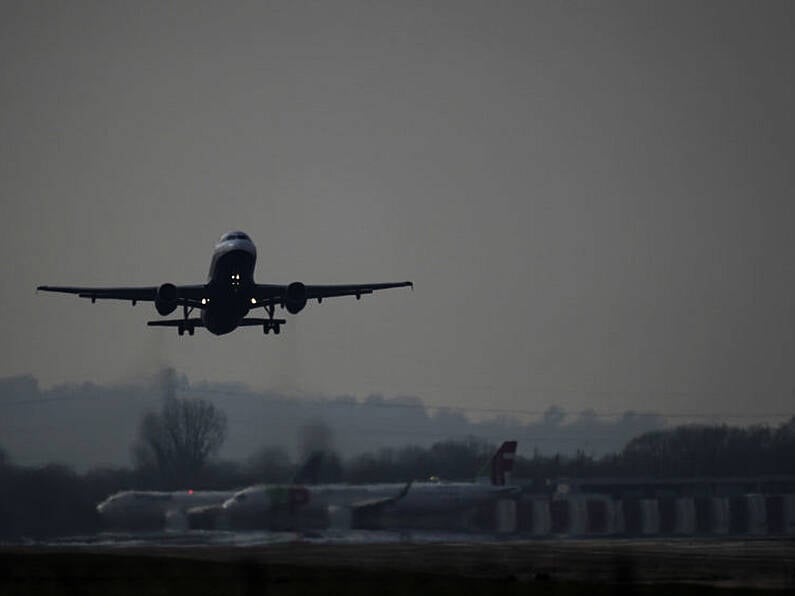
<point>594,200</point>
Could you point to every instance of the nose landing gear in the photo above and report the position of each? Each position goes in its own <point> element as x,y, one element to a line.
<point>182,327</point>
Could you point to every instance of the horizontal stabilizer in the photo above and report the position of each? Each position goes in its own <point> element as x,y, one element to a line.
<point>195,322</point>
<point>254,322</point>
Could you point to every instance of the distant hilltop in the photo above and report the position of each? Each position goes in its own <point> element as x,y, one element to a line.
<point>67,422</point>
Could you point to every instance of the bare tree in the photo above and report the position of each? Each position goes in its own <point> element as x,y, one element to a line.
<point>315,436</point>
<point>176,442</point>
<point>321,463</point>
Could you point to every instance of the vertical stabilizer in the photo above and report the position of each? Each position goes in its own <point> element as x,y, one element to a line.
<point>498,470</point>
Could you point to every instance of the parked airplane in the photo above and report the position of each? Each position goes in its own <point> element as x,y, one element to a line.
<point>444,504</point>
<point>143,509</point>
<point>296,506</point>
<point>150,510</point>
<point>229,294</point>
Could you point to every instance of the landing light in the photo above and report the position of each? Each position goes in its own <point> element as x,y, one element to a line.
<point>204,300</point>
<point>253,301</point>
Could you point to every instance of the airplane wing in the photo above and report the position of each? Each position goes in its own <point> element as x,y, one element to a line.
<point>370,505</point>
<point>183,293</point>
<point>277,293</point>
<point>369,513</point>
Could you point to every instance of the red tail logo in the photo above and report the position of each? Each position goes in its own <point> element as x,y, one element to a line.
<point>502,463</point>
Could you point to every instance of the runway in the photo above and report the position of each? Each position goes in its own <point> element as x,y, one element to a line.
<point>487,565</point>
<point>260,538</point>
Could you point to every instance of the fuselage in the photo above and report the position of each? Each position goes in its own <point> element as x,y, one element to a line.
<point>291,506</point>
<point>229,283</point>
<point>436,497</point>
<point>151,509</point>
<point>264,506</point>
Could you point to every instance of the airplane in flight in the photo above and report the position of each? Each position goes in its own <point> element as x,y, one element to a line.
<point>230,293</point>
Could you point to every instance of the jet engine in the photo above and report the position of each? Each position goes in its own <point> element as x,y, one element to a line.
<point>295,297</point>
<point>166,300</point>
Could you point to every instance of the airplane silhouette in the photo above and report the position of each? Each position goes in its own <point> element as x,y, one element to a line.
<point>229,294</point>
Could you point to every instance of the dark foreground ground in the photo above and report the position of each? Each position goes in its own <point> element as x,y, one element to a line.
<point>537,567</point>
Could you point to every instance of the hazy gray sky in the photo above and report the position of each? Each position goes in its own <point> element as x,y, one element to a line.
<point>594,199</point>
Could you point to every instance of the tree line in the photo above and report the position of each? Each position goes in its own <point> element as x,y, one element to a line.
<point>109,416</point>
<point>174,445</point>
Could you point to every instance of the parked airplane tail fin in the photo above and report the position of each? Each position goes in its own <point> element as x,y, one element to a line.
<point>498,470</point>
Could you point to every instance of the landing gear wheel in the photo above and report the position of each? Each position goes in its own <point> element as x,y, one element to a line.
<point>277,329</point>
<point>191,330</point>
<point>181,330</point>
<point>266,329</point>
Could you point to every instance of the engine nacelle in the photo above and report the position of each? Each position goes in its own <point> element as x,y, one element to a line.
<point>166,301</point>
<point>295,298</point>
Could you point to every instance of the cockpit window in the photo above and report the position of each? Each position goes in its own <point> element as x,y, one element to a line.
<point>235,236</point>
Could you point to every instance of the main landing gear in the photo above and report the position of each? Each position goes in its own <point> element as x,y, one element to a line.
<point>184,325</point>
<point>272,324</point>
